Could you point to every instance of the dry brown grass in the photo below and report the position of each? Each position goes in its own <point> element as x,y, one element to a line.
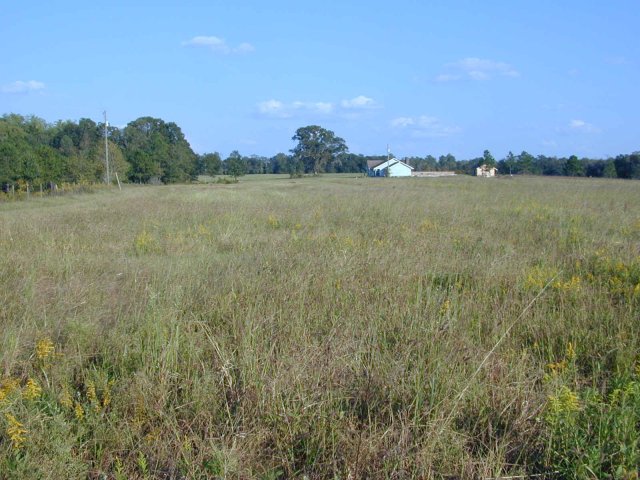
<point>321,327</point>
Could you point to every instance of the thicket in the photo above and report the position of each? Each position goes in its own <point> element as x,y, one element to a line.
<point>36,156</point>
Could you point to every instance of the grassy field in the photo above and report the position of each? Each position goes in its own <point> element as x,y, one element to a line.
<point>335,327</point>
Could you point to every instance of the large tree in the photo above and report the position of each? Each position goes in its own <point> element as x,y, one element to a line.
<point>235,165</point>
<point>158,149</point>
<point>317,147</point>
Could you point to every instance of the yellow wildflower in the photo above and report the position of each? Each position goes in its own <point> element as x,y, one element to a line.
<point>44,349</point>
<point>273,221</point>
<point>78,411</point>
<point>557,367</point>
<point>32,390</point>
<point>8,385</point>
<point>106,396</point>
<point>15,431</point>
<point>445,307</point>
<point>568,400</point>
<point>65,399</point>
<point>92,395</point>
<point>571,353</point>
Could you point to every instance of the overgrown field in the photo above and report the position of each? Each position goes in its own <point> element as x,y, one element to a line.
<point>329,327</point>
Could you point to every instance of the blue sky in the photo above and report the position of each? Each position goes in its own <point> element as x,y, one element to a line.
<point>426,77</point>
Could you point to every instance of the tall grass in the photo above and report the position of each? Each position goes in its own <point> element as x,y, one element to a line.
<point>332,327</point>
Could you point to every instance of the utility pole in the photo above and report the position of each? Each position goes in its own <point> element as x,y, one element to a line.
<point>106,147</point>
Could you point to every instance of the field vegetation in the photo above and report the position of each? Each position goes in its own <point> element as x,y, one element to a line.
<point>331,327</point>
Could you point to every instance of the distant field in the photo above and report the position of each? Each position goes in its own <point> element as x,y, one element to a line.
<point>333,327</point>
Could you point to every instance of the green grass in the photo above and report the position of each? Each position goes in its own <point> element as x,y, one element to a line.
<point>331,327</point>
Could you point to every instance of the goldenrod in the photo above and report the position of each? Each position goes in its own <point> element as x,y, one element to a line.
<point>78,411</point>
<point>32,390</point>
<point>15,431</point>
<point>92,396</point>
<point>65,399</point>
<point>44,349</point>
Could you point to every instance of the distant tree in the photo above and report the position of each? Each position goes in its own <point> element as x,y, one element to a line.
<point>294,167</point>
<point>117,162</point>
<point>143,166</point>
<point>525,162</point>
<point>235,165</point>
<point>487,159</point>
<point>574,167</point>
<point>609,170</point>
<point>544,165</point>
<point>278,163</point>
<point>447,162</point>
<point>317,147</point>
<point>430,163</point>
<point>158,149</point>
<point>509,163</point>
<point>628,166</point>
<point>209,164</point>
<point>256,164</point>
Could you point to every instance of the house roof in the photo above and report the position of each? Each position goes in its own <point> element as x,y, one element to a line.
<point>374,163</point>
<point>390,163</point>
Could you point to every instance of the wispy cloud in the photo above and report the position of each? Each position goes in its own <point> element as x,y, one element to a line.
<point>20,86</point>
<point>472,68</point>
<point>348,108</point>
<point>218,45</point>
<point>358,102</point>
<point>582,126</point>
<point>277,109</point>
<point>424,126</point>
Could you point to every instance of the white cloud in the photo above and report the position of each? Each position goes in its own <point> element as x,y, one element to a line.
<point>476,69</point>
<point>278,109</point>
<point>447,77</point>
<point>424,126</point>
<point>402,122</point>
<point>358,102</point>
<point>582,126</point>
<point>218,45</point>
<point>317,107</point>
<point>22,87</point>
<point>273,108</point>
<point>350,108</point>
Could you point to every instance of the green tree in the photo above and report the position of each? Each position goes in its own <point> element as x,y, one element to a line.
<point>317,147</point>
<point>278,164</point>
<point>447,162</point>
<point>574,167</point>
<point>525,162</point>
<point>294,167</point>
<point>609,170</point>
<point>510,162</point>
<point>209,164</point>
<point>235,165</point>
<point>158,149</point>
<point>628,166</point>
<point>117,162</point>
<point>487,159</point>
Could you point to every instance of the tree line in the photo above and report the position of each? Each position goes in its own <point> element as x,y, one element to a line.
<point>150,150</point>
